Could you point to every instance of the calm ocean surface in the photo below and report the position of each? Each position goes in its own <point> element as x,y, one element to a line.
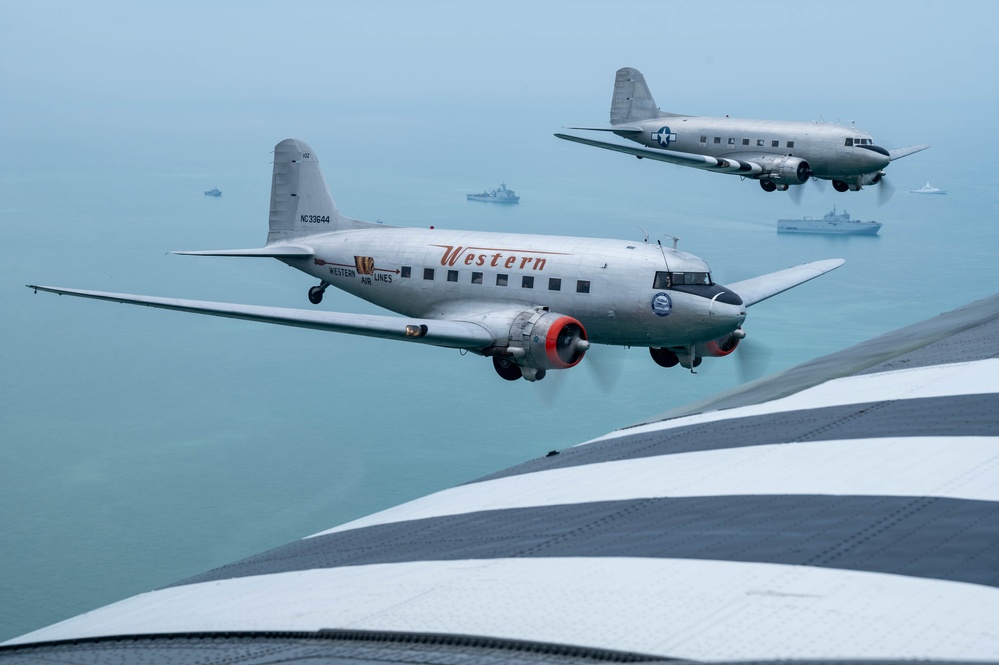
<point>143,446</point>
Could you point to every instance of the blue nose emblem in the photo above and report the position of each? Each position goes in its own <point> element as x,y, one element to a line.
<point>661,304</point>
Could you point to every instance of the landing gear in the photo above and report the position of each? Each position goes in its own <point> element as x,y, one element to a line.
<point>840,186</point>
<point>507,369</point>
<point>768,185</point>
<point>664,357</point>
<point>316,293</point>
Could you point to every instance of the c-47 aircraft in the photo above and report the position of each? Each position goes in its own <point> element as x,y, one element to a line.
<point>778,153</point>
<point>532,303</point>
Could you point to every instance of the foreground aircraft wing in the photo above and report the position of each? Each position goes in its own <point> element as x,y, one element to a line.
<point>845,511</point>
<point>899,153</point>
<point>450,334</point>
<point>760,288</point>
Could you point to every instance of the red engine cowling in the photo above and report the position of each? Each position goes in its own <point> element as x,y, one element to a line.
<point>722,346</point>
<point>547,340</point>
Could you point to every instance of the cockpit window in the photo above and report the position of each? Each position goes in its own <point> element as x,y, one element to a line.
<point>667,280</point>
<point>852,142</point>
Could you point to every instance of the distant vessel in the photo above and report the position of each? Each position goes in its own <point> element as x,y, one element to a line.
<point>500,195</point>
<point>928,189</point>
<point>215,191</point>
<point>833,222</point>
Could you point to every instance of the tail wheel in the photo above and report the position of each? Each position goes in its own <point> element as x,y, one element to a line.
<point>506,368</point>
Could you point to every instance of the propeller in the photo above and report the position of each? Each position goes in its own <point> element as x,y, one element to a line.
<point>885,191</point>
<point>752,360</point>
<point>607,364</point>
<point>795,192</point>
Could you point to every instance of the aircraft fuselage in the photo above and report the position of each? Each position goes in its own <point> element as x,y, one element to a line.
<point>824,146</point>
<point>608,285</point>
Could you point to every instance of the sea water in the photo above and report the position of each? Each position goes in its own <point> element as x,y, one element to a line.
<point>142,446</point>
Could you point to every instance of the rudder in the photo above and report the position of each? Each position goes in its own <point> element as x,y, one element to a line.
<point>301,203</point>
<point>632,99</point>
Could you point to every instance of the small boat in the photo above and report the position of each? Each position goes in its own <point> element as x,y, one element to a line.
<point>499,195</point>
<point>215,191</point>
<point>833,222</point>
<point>928,189</point>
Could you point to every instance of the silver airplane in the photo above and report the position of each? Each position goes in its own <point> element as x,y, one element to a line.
<point>777,153</point>
<point>532,303</point>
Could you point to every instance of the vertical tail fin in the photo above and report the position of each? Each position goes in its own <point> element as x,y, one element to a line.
<point>301,203</point>
<point>632,99</point>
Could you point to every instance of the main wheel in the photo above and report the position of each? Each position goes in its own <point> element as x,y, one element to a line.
<point>315,295</point>
<point>768,185</point>
<point>664,357</point>
<point>506,368</point>
<point>840,186</point>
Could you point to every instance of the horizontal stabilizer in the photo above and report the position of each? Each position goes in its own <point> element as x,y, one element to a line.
<point>449,334</point>
<point>760,288</point>
<point>276,252</point>
<point>899,153</point>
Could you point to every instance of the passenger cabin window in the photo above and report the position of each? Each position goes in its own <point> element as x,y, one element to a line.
<point>452,275</point>
<point>731,141</point>
<point>717,139</point>
<point>476,278</point>
<point>775,144</point>
<point>501,279</point>
<point>745,141</point>
<point>790,144</point>
<point>554,284</point>
<point>527,282</point>
<point>582,286</point>
<point>759,143</point>
<point>428,273</point>
<point>704,139</point>
<point>667,280</point>
<point>405,272</point>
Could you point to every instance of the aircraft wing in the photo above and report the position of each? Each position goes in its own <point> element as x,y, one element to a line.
<point>629,129</point>
<point>899,153</point>
<point>760,288</point>
<point>450,334</point>
<point>671,156</point>
<point>845,511</point>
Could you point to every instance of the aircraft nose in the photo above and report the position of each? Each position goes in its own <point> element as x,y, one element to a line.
<point>877,156</point>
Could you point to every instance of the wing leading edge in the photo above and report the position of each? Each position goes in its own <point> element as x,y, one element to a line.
<point>760,288</point>
<point>723,164</point>
<point>448,334</point>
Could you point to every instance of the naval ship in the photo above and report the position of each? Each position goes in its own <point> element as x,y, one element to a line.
<point>833,222</point>
<point>500,195</point>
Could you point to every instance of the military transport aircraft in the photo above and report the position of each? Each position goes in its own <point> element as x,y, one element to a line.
<point>533,303</point>
<point>778,153</point>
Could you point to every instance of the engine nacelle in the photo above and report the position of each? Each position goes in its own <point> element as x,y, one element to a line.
<point>790,170</point>
<point>872,178</point>
<point>544,340</point>
<point>722,346</point>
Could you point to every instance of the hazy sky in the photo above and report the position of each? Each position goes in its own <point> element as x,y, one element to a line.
<point>71,66</point>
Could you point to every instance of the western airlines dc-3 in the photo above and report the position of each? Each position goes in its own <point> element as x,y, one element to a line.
<point>777,153</point>
<point>532,303</point>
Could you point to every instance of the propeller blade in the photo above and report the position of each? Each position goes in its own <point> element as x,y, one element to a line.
<point>885,191</point>
<point>795,192</point>
<point>607,365</point>
<point>752,360</point>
